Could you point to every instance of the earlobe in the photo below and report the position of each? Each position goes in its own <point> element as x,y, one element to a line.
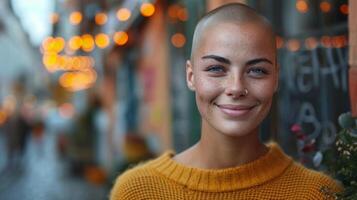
<point>189,76</point>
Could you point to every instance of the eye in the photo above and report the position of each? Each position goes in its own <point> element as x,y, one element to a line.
<point>258,71</point>
<point>216,69</point>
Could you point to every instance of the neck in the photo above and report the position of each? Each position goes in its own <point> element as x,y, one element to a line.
<point>216,150</point>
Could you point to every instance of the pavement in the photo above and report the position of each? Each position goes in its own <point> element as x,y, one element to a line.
<point>42,175</point>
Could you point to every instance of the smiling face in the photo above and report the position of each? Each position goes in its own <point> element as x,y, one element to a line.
<point>228,61</point>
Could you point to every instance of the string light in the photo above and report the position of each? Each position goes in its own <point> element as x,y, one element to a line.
<point>311,43</point>
<point>123,14</point>
<point>344,9</point>
<point>75,18</point>
<point>178,40</point>
<point>302,6</point>
<point>147,9</point>
<point>75,43</point>
<point>325,6</point>
<point>101,18</point>
<point>182,14</point>
<point>120,38</point>
<point>102,40</point>
<point>326,41</point>
<point>88,42</point>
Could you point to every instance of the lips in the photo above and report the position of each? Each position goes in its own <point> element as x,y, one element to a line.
<point>232,110</point>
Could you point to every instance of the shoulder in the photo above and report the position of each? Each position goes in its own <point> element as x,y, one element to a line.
<point>313,183</point>
<point>136,182</point>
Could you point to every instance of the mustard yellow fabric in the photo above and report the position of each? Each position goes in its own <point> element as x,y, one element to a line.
<point>273,176</point>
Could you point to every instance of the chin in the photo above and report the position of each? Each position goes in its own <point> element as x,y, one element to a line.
<point>237,129</point>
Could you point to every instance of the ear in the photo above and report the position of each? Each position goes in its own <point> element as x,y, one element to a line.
<point>190,79</point>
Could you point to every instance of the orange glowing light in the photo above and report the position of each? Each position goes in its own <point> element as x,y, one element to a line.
<point>120,38</point>
<point>75,43</point>
<point>173,11</point>
<point>325,6</point>
<point>80,80</point>
<point>178,40</point>
<point>75,18</point>
<point>88,43</point>
<point>50,61</point>
<point>101,18</point>
<point>344,9</point>
<point>123,14</point>
<point>102,40</point>
<point>326,41</point>
<point>59,44</point>
<point>48,45</point>
<point>279,42</point>
<point>54,18</point>
<point>293,45</point>
<point>147,9</point>
<point>338,41</point>
<point>302,6</point>
<point>311,43</point>
<point>182,14</point>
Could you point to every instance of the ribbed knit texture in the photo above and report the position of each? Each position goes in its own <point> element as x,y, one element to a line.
<point>272,176</point>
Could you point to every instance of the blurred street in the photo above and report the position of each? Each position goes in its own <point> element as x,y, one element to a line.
<point>42,175</point>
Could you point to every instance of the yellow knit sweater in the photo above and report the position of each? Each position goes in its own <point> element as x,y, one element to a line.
<point>273,176</point>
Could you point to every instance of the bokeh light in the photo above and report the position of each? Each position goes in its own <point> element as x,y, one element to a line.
<point>147,9</point>
<point>123,14</point>
<point>326,41</point>
<point>102,40</point>
<point>325,6</point>
<point>311,43</point>
<point>121,38</point>
<point>75,18</point>
<point>88,42</point>
<point>182,14</point>
<point>75,43</point>
<point>344,9</point>
<point>302,6</point>
<point>101,18</point>
<point>178,40</point>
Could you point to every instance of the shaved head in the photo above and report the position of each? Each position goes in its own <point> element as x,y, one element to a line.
<point>236,13</point>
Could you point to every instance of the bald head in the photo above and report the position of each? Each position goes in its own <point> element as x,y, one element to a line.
<point>235,13</point>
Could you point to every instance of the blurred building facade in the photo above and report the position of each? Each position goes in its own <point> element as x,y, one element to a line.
<point>116,70</point>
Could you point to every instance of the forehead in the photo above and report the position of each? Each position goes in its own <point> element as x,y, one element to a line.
<point>232,39</point>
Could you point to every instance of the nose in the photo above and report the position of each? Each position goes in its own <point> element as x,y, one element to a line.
<point>235,86</point>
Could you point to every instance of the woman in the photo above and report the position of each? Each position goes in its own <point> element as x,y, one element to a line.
<point>234,74</point>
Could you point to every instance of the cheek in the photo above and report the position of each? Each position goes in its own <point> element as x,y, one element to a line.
<point>263,91</point>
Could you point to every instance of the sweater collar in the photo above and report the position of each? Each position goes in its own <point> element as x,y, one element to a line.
<point>257,172</point>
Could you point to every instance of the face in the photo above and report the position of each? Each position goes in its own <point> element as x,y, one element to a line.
<point>230,60</point>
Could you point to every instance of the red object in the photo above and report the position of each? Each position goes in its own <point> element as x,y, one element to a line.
<point>353,89</point>
<point>308,148</point>
<point>295,128</point>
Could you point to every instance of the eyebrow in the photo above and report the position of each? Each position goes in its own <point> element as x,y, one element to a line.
<point>217,58</point>
<point>226,61</point>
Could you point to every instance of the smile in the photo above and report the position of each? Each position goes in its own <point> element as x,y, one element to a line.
<point>235,110</point>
